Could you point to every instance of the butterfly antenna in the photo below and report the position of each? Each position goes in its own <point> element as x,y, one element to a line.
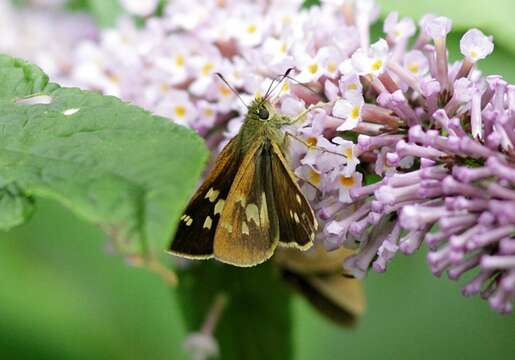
<point>268,91</point>
<point>232,89</point>
<point>284,76</point>
<point>303,85</point>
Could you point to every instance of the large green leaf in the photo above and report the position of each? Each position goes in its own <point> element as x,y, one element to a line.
<point>113,164</point>
<point>256,323</point>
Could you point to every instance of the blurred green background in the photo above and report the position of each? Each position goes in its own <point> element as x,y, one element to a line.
<point>64,297</point>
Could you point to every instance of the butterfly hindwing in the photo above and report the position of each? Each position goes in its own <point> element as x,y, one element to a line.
<point>197,226</point>
<point>248,231</point>
<point>297,221</point>
<point>318,275</point>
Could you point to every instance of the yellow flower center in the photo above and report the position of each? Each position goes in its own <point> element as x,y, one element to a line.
<point>284,48</point>
<point>355,112</point>
<point>114,78</point>
<point>224,90</point>
<point>285,87</point>
<point>414,67</point>
<point>332,67</point>
<point>314,177</point>
<point>311,141</point>
<point>208,112</point>
<point>346,181</point>
<point>251,29</point>
<point>352,86</point>
<point>473,54</point>
<point>377,64</point>
<point>180,111</point>
<point>312,68</point>
<point>206,69</point>
<point>179,60</point>
<point>348,153</point>
<point>165,88</point>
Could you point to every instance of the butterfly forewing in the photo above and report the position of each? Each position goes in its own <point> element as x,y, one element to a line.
<point>197,226</point>
<point>297,221</point>
<point>248,232</point>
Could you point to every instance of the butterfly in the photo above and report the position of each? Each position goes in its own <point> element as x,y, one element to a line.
<point>250,202</point>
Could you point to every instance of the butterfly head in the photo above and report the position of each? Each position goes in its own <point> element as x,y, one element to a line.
<point>262,110</point>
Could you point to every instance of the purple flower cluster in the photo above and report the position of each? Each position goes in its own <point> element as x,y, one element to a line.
<point>404,147</point>
<point>448,171</point>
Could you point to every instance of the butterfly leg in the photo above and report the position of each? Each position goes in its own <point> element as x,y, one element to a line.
<point>308,110</point>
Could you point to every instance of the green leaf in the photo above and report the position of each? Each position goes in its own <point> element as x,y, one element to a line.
<point>105,12</point>
<point>15,206</point>
<point>111,163</point>
<point>310,3</point>
<point>491,16</point>
<point>256,323</point>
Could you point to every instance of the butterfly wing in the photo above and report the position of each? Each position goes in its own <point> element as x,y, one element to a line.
<point>317,275</point>
<point>248,232</point>
<point>297,221</point>
<point>196,230</point>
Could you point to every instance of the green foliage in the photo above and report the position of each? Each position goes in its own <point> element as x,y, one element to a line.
<point>491,16</point>
<point>105,12</point>
<point>15,206</point>
<point>113,164</point>
<point>256,323</point>
<point>64,298</point>
<point>310,3</point>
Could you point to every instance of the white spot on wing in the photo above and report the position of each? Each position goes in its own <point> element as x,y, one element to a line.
<point>227,227</point>
<point>189,222</point>
<point>296,217</point>
<point>219,206</point>
<point>245,228</point>
<point>299,200</point>
<point>207,223</point>
<point>212,195</point>
<point>252,213</point>
<point>242,200</point>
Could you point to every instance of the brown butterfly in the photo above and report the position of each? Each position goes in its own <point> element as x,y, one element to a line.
<point>318,276</point>
<point>250,202</point>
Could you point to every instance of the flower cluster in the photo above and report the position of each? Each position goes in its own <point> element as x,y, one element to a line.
<point>449,163</point>
<point>169,67</point>
<point>44,34</point>
<point>396,138</point>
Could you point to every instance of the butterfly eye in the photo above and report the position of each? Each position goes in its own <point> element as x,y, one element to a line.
<point>263,114</point>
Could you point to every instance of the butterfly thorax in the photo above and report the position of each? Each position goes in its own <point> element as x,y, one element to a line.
<point>262,123</point>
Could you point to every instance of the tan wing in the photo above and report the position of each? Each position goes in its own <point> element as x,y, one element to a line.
<point>248,231</point>
<point>317,275</point>
<point>196,230</point>
<point>297,221</point>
